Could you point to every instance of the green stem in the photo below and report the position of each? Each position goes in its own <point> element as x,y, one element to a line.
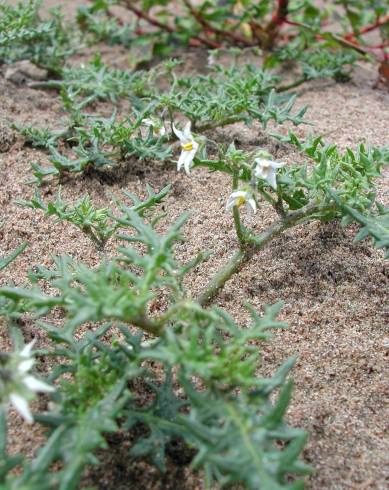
<point>146,324</point>
<point>268,197</point>
<point>240,233</point>
<point>49,84</point>
<point>218,124</point>
<point>3,433</point>
<point>279,205</point>
<point>217,282</point>
<point>256,243</point>
<point>156,325</point>
<point>296,83</point>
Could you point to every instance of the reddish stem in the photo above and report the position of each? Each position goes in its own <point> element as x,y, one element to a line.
<point>206,25</point>
<point>378,46</point>
<point>281,12</point>
<point>378,23</point>
<point>166,27</point>
<point>279,17</point>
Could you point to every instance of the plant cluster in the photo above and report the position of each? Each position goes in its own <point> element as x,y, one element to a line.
<point>25,35</point>
<point>224,96</point>
<point>266,24</point>
<point>135,349</point>
<point>98,224</point>
<point>226,418</point>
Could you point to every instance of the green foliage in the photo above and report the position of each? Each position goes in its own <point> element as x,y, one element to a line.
<point>360,13</point>
<point>228,95</point>
<point>4,261</point>
<point>267,24</point>
<point>97,224</point>
<point>95,21</point>
<point>313,60</point>
<point>97,82</point>
<point>229,418</point>
<point>84,84</point>
<point>39,137</point>
<point>209,101</point>
<point>351,173</point>
<point>135,350</point>
<point>374,224</point>
<point>24,35</point>
<point>101,143</point>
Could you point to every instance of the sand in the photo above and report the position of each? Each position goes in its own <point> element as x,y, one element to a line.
<point>334,291</point>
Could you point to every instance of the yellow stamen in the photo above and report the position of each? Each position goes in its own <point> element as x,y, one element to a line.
<point>239,201</point>
<point>187,146</point>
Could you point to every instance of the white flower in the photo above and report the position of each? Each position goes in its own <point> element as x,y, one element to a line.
<point>188,145</point>
<point>37,385</point>
<point>211,60</point>
<point>21,386</point>
<point>267,169</point>
<point>156,124</point>
<point>240,198</point>
<point>21,405</point>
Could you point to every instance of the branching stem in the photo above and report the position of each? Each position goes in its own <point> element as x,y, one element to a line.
<point>165,27</point>
<point>256,243</point>
<point>209,27</point>
<point>236,213</point>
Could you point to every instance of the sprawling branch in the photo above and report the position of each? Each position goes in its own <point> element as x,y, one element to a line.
<point>256,243</point>
<point>206,25</point>
<point>165,27</point>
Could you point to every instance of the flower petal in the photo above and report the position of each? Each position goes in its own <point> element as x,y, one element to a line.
<point>21,405</point>
<point>37,385</point>
<point>272,178</point>
<point>260,172</point>
<point>278,164</point>
<point>187,132</point>
<point>26,351</point>
<point>180,135</point>
<point>26,365</point>
<point>230,202</point>
<point>181,160</point>
<point>237,194</point>
<point>251,205</point>
<point>148,122</point>
<point>188,161</point>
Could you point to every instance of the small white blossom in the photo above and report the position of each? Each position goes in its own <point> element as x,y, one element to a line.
<point>189,147</point>
<point>19,387</point>
<point>240,198</point>
<point>267,170</point>
<point>156,124</point>
<point>21,405</point>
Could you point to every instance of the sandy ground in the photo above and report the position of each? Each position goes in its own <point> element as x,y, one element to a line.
<point>334,291</point>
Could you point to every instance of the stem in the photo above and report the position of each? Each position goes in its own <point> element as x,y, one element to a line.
<point>378,23</point>
<point>165,27</point>
<point>258,242</point>
<point>278,18</point>
<point>3,433</point>
<point>279,206</point>
<point>49,84</point>
<point>150,326</point>
<point>206,25</point>
<point>155,326</point>
<point>236,213</point>
<point>219,124</point>
<point>291,85</point>
<point>221,277</point>
<point>238,226</point>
